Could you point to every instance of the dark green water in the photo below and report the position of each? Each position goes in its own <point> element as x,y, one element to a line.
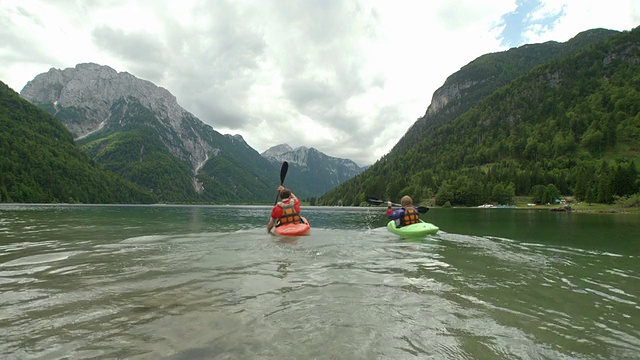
<point>164,282</point>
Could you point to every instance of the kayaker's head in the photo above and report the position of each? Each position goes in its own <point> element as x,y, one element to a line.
<point>406,201</point>
<point>284,194</point>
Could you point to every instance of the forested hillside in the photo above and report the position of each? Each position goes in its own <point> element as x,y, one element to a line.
<point>486,74</point>
<point>136,149</point>
<point>570,126</point>
<point>39,161</point>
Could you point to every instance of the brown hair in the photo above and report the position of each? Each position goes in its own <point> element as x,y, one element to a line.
<point>285,193</point>
<point>406,201</point>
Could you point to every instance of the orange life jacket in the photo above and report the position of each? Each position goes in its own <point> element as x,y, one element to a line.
<point>410,216</point>
<point>289,214</point>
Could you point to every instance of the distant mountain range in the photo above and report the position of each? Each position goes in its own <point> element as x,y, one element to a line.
<point>138,131</point>
<point>316,170</point>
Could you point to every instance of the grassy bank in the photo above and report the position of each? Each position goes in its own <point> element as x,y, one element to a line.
<point>619,207</point>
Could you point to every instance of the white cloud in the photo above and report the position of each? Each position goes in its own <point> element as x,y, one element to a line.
<point>581,15</point>
<point>346,77</point>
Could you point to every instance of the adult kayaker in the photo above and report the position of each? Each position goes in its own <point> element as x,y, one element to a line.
<point>286,211</point>
<point>406,215</point>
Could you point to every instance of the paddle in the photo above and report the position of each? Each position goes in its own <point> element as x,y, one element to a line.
<point>283,174</point>
<point>420,209</point>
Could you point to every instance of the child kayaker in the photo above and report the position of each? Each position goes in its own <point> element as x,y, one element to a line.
<point>406,215</point>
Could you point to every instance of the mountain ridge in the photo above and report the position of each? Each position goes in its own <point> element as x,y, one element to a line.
<point>548,130</point>
<point>139,131</point>
<point>181,159</point>
<point>484,75</point>
<point>318,171</point>
<point>79,87</point>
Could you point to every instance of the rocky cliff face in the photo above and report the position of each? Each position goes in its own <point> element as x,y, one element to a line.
<point>447,93</point>
<point>90,91</point>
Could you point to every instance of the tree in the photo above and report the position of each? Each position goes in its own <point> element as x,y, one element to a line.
<point>502,194</point>
<point>625,179</point>
<point>590,197</point>
<point>604,184</point>
<point>582,184</point>
<point>552,194</point>
<point>539,194</point>
<point>445,194</point>
<point>593,140</point>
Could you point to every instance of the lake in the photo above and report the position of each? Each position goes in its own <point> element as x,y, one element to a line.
<point>208,282</point>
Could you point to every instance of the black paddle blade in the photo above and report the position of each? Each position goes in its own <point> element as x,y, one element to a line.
<point>374,201</point>
<point>283,171</point>
<point>283,174</point>
<point>422,209</point>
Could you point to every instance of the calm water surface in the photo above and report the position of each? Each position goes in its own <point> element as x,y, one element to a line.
<point>206,282</point>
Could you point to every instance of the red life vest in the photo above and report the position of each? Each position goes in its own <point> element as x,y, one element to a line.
<point>289,214</point>
<point>410,216</point>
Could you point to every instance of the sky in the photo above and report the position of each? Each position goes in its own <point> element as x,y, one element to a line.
<point>345,77</point>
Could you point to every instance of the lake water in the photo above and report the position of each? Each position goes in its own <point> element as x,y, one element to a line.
<point>208,282</point>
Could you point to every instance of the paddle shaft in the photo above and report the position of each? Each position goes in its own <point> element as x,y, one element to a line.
<point>420,209</point>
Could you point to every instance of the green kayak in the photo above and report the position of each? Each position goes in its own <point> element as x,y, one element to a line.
<point>413,230</point>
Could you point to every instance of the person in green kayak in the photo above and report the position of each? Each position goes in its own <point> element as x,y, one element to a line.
<point>286,211</point>
<point>406,215</point>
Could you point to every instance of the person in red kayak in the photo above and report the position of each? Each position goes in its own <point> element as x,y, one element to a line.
<point>406,215</point>
<point>286,211</point>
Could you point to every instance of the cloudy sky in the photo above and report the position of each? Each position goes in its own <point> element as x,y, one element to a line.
<point>346,77</point>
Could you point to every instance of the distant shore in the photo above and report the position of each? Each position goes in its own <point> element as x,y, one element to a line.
<point>578,208</point>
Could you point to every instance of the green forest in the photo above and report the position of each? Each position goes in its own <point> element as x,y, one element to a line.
<point>136,149</point>
<point>40,163</point>
<point>568,127</point>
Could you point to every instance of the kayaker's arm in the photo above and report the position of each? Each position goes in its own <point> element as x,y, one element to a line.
<point>276,212</point>
<point>395,214</point>
<point>296,202</point>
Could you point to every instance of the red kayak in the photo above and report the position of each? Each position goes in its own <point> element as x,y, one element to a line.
<point>294,229</point>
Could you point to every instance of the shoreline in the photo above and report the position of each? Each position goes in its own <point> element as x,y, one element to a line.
<point>579,208</point>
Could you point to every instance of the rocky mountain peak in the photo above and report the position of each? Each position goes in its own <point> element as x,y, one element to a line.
<point>93,97</point>
<point>95,88</point>
<point>284,152</point>
<point>275,153</point>
<point>317,171</point>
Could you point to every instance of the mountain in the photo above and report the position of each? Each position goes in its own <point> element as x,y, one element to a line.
<point>39,161</point>
<point>486,74</point>
<point>312,170</point>
<point>533,121</point>
<point>137,130</point>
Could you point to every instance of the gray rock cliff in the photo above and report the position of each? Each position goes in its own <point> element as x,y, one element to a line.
<point>92,90</point>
